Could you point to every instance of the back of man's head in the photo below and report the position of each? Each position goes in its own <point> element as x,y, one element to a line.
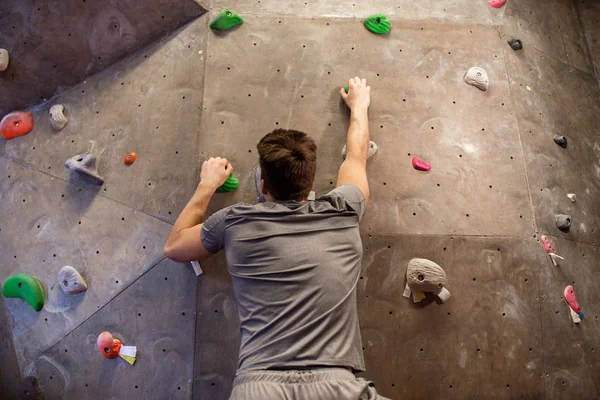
<point>288,163</point>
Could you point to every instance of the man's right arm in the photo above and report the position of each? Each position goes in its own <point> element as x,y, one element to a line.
<point>354,168</point>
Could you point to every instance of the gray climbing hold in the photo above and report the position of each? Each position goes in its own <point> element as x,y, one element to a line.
<point>561,141</point>
<point>425,275</point>
<point>572,197</point>
<point>70,280</point>
<point>57,116</point>
<point>515,44</point>
<point>85,165</point>
<point>563,222</point>
<point>372,150</point>
<point>477,77</point>
<point>3,59</point>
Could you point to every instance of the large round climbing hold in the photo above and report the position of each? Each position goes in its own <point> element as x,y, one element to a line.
<point>17,123</point>
<point>378,24</point>
<point>226,20</point>
<point>477,77</point>
<point>26,287</point>
<point>425,275</point>
<point>563,222</point>
<point>3,59</point>
<point>230,184</point>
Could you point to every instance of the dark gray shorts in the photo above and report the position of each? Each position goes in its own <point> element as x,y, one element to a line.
<point>321,384</point>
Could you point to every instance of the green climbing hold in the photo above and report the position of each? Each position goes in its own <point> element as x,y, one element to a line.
<point>226,20</point>
<point>230,184</point>
<point>346,88</point>
<point>25,287</point>
<point>378,24</point>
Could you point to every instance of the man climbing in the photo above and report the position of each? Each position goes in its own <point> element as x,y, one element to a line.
<point>294,264</point>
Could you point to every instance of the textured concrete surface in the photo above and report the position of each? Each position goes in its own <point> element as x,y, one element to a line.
<point>54,45</point>
<point>589,12</point>
<point>497,181</point>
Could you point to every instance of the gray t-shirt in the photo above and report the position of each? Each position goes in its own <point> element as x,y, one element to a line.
<point>294,268</point>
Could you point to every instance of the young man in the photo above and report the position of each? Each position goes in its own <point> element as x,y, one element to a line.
<point>294,264</point>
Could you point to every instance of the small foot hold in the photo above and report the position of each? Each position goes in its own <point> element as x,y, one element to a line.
<point>346,88</point>
<point>70,280</point>
<point>572,197</point>
<point>420,164</point>
<point>57,116</point>
<point>30,389</point>
<point>17,123</point>
<point>569,296</point>
<point>372,150</point>
<point>108,346</point>
<point>496,3</point>
<point>477,77</point>
<point>547,246</point>
<point>515,44</point>
<point>130,158</point>
<point>230,184</point>
<point>561,141</point>
<point>3,59</point>
<point>226,20</point>
<point>26,287</point>
<point>378,24</point>
<point>85,164</point>
<point>563,222</point>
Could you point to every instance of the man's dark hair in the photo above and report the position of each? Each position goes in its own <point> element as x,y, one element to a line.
<point>288,163</point>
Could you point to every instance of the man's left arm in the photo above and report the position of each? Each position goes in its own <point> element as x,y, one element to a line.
<point>184,243</point>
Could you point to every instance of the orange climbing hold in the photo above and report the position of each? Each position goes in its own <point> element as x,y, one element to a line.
<point>129,158</point>
<point>108,346</point>
<point>15,124</point>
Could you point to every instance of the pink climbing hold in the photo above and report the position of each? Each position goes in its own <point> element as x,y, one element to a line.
<point>547,245</point>
<point>571,299</point>
<point>420,164</point>
<point>496,3</point>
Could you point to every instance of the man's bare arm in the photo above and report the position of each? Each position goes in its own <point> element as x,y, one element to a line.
<point>184,243</point>
<point>354,167</point>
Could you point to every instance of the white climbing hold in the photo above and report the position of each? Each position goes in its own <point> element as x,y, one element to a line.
<point>572,197</point>
<point>3,59</point>
<point>477,77</point>
<point>70,280</point>
<point>372,150</point>
<point>422,276</point>
<point>57,116</point>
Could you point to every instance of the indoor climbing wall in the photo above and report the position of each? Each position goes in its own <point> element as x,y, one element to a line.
<point>497,183</point>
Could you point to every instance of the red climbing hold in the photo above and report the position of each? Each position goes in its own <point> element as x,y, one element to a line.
<point>571,299</point>
<point>420,164</point>
<point>547,245</point>
<point>108,346</point>
<point>496,3</point>
<point>129,158</point>
<point>15,124</point>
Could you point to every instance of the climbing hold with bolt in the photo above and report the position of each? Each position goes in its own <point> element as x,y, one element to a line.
<point>26,287</point>
<point>571,300</point>
<point>230,184</point>
<point>496,3</point>
<point>378,24</point>
<point>477,77</point>
<point>129,158</point>
<point>85,165</point>
<point>563,222</point>
<point>421,165</point>
<point>226,20</point>
<point>70,280</point>
<point>371,152</point>
<point>550,250</point>
<point>17,123</point>
<point>57,116</point>
<point>424,275</point>
<point>561,141</point>
<point>572,197</point>
<point>108,346</point>
<point>515,44</point>
<point>4,59</point>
